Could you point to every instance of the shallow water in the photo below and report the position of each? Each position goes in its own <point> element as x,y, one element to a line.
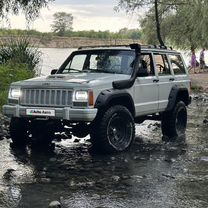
<point>152,174</point>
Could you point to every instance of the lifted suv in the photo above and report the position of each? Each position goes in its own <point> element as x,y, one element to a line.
<point>103,91</point>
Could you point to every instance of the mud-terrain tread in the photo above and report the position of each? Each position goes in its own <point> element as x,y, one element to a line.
<point>168,123</point>
<point>99,129</point>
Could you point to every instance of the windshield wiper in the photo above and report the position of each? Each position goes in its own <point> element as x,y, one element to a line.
<point>76,70</point>
<point>104,71</point>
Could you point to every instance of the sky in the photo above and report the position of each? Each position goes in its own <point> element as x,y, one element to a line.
<point>88,15</point>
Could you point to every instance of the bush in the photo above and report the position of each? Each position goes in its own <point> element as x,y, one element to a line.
<point>11,73</point>
<point>18,50</point>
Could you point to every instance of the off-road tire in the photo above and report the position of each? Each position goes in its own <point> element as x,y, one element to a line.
<point>113,130</point>
<point>42,133</point>
<point>174,122</point>
<point>19,131</point>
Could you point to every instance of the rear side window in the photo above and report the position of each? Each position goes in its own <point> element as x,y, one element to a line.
<point>177,64</point>
<point>162,65</point>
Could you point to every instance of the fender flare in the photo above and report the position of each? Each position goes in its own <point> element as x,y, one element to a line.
<point>106,96</point>
<point>172,99</point>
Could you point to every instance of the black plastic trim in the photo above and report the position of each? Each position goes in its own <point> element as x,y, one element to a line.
<point>106,96</point>
<point>125,84</point>
<point>174,95</point>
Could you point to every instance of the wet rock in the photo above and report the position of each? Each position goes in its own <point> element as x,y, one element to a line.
<point>8,174</point>
<point>126,161</point>
<point>76,140</point>
<point>158,125</point>
<point>115,178</point>
<point>168,176</point>
<point>204,158</point>
<point>53,159</point>
<point>55,204</point>
<point>113,158</point>
<point>205,121</point>
<point>4,127</point>
<point>45,180</point>
<point>149,126</point>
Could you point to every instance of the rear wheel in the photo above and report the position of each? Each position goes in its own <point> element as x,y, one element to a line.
<point>174,122</point>
<point>19,131</point>
<point>113,130</point>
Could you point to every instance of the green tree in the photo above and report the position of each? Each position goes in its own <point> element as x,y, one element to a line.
<point>30,8</point>
<point>62,22</point>
<point>158,8</point>
<point>180,27</point>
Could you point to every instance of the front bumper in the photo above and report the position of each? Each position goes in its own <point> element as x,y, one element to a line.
<point>65,113</point>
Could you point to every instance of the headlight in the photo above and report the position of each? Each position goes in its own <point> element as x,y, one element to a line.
<point>83,96</point>
<point>15,93</point>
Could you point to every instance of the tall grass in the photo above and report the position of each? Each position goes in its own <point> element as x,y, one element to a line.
<point>18,61</point>
<point>18,50</point>
<point>11,73</point>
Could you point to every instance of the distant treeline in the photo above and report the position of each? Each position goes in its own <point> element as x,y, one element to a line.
<point>124,33</point>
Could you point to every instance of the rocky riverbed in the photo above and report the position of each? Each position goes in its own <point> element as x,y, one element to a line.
<point>152,174</point>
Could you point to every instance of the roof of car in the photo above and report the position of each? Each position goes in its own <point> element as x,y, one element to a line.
<point>147,48</point>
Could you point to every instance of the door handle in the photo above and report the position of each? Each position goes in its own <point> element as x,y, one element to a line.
<point>155,80</point>
<point>171,79</point>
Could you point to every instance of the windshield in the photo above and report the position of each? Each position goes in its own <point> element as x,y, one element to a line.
<point>98,61</point>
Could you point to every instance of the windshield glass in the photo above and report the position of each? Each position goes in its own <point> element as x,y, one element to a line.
<point>98,61</point>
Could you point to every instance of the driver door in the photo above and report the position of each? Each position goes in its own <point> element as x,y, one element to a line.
<point>146,88</point>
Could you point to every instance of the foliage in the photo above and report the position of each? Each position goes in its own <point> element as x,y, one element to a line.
<point>183,23</point>
<point>9,73</point>
<point>30,8</point>
<point>18,51</point>
<point>123,33</point>
<point>180,27</point>
<point>62,22</point>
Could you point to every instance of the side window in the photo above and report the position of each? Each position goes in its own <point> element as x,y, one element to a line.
<point>162,65</point>
<point>147,63</point>
<point>177,64</point>
<point>93,62</point>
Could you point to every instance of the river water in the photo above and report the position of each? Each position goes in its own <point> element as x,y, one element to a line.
<point>153,174</point>
<point>52,58</point>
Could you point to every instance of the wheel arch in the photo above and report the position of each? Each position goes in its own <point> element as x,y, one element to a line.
<point>112,97</point>
<point>178,93</point>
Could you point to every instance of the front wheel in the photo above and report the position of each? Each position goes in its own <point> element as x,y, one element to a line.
<point>174,122</point>
<point>114,130</point>
<point>19,131</point>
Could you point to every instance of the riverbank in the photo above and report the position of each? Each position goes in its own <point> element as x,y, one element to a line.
<point>199,82</point>
<point>67,42</point>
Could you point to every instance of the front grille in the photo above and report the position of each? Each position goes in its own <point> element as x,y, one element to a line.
<point>46,97</point>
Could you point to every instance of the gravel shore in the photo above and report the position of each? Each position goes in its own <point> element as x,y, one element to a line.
<point>4,127</point>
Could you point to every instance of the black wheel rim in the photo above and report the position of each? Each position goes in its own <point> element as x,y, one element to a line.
<point>119,131</point>
<point>181,120</point>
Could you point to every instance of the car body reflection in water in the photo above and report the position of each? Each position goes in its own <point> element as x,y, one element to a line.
<point>152,174</point>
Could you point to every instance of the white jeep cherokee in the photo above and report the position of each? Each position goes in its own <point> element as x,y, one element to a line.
<point>103,91</point>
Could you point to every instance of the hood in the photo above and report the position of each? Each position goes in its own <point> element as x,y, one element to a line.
<point>74,79</point>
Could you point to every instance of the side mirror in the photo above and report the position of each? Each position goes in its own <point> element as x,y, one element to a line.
<point>142,72</point>
<point>53,71</point>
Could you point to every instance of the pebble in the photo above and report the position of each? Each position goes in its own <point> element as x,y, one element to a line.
<point>116,178</point>
<point>55,204</point>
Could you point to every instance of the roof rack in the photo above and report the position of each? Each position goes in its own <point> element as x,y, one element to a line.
<point>142,46</point>
<point>102,46</point>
